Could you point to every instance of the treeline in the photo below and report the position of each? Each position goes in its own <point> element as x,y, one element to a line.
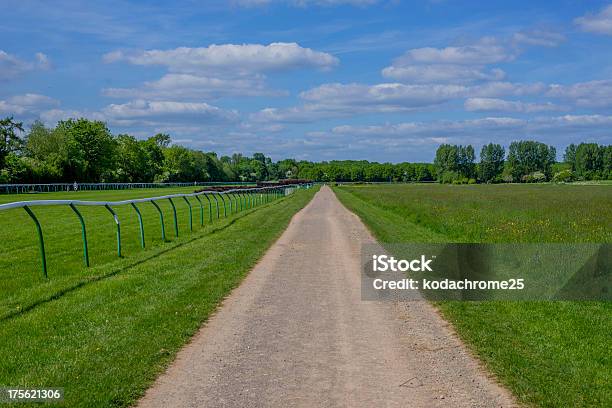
<point>86,151</point>
<point>525,161</point>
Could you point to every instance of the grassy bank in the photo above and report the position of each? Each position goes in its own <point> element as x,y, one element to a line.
<point>104,333</point>
<point>550,354</point>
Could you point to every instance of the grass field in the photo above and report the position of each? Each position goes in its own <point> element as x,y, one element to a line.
<point>550,354</point>
<point>105,332</point>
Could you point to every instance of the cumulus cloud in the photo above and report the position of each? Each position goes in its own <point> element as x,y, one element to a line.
<point>168,110</point>
<point>189,86</point>
<point>501,105</point>
<point>337,100</point>
<point>12,66</point>
<point>451,64</point>
<point>240,59</point>
<point>591,94</point>
<point>552,129</point>
<point>340,100</point>
<point>441,73</point>
<point>467,63</point>
<point>26,104</point>
<point>217,71</point>
<point>488,51</point>
<point>142,113</point>
<point>600,23</point>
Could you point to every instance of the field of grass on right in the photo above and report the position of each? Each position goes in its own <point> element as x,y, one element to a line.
<point>550,354</point>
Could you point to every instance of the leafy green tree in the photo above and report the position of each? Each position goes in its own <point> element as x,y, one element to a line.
<point>178,164</point>
<point>607,162</point>
<point>92,150</point>
<point>527,157</point>
<point>491,163</point>
<point>454,163</point>
<point>132,160</point>
<point>465,161</point>
<point>589,163</point>
<point>9,138</point>
<point>570,156</point>
<point>48,151</point>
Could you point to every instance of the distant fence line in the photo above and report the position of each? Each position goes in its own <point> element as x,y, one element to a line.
<point>237,199</point>
<point>56,187</point>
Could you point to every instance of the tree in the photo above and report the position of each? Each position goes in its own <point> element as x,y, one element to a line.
<point>491,163</point>
<point>607,162</point>
<point>570,156</point>
<point>9,140</point>
<point>132,160</point>
<point>48,151</point>
<point>178,164</point>
<point>91,149</point>
<point>465,161</point>
<point>589,162</point>
<point>454,163</point>
<point>528,157</point>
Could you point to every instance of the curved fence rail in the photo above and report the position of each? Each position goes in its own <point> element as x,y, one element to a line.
<point>56,187</point>
<point>237,200</point>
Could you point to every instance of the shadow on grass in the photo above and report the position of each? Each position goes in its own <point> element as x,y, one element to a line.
<point>91,280</point>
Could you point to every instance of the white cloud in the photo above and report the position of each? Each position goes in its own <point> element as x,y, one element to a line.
<point>497,89</point>
<point>342,100</point>
<point>189,86</point>
<point>26,104</point>
<point>487,51</point>
<point>168,110</point>
<point>441,73</point>
<point>538,38</point>
<point>592,94</point>
<point>138,114</point>
<point>395,96</point>
<point>52,116</point>
<point>554,130</point>
<point>11,66</point>
<point>451,64</point>
<point>600,23</point>
<point>230,58</point>
<point>337,100</point>
<point>467,63</point>
<point>501,105</point>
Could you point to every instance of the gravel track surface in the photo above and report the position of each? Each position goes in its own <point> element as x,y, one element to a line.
<point>297,334</point>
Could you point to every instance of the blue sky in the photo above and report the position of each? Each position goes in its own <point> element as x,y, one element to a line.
<point>385,80</point>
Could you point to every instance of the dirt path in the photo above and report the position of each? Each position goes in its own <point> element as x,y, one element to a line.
<point>297,334</point>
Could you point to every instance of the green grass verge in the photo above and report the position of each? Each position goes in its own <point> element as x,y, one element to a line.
<point>550,354</point>
<point>106,332</point>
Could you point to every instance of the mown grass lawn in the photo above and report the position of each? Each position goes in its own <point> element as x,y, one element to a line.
<point>550,354</point>
<point>104,333</point>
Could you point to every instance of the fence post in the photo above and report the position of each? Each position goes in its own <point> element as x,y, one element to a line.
<point>161,219</point>
<point>209,208</point>
<point>190,214</point>
<point>216,203</point>
<point>224,207</point>
<point>176,231</point>
<point>201,211</point>
<point>83,233</point>
<point>241,198</point>
<point>237,208</point>
<point>142,236</point>
<point>41,241</point>
<point>108,207</point>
